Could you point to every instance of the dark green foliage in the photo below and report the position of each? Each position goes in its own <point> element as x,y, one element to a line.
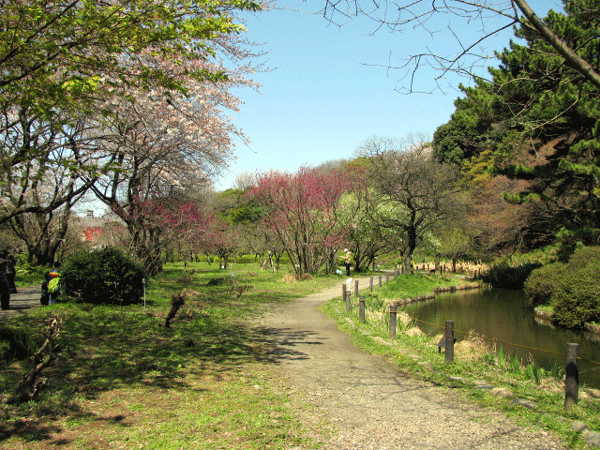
<point>576,297</point>
<point>508,277</point>
<point>104,276</point>
<point>542,282</point>
<point>541,121</point>
<point>572,288</point>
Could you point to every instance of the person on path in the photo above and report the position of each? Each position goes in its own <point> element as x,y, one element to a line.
<point>52,288</point>
<point>5,284</point>
<point>347,260</point>
<point>12,273</point>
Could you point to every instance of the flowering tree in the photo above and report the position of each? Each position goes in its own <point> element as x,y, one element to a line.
<point>143,84</point>
<point>302,212</point>
<point>61,49</point>
<point>158,140</point>
<point>159,222</point>
<point>221,239</point>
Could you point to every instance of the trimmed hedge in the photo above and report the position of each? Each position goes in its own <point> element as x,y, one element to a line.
<point>104,276</point>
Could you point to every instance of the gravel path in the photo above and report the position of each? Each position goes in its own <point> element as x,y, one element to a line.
<point>368,403</point>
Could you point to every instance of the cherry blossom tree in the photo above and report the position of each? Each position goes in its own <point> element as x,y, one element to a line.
<point>221,239</point>
<point>142,85</point>
<point>160,140</point>
<point>160,222</point>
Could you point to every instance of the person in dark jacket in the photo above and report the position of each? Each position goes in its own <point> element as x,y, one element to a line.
<point>5,284</point>
<point>12,273</point>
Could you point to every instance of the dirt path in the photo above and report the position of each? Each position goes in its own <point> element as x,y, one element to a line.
<point>27,297</point>
<point>366,401</point>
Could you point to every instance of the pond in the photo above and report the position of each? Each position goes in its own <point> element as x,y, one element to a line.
<point>503,315</point>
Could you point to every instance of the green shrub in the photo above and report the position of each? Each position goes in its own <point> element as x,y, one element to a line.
<point>104,276</point>
<point>571,288</point>
<point>576,299</point>
<point>541,284</point>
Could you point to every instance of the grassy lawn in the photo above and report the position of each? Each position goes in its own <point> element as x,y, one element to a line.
<point>123,380</point>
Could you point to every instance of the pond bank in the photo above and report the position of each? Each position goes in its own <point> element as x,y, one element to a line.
<point>436,291</point>
<point>549,317</point>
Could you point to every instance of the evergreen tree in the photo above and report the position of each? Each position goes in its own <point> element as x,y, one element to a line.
<point>540,118</point>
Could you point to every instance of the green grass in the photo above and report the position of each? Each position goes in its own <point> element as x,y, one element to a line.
<point>525,379</point>
<point>124,380</point>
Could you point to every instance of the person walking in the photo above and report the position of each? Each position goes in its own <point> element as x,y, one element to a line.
<point>347,260</point>
<point>52,279</point>
<point>5,283</point>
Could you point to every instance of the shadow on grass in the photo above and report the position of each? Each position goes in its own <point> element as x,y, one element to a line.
<point>104,349</point>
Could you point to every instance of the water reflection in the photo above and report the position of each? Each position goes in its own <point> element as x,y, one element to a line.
<point>503,315</point>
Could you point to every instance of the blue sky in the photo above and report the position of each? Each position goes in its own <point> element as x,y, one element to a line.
<point>330,88</point>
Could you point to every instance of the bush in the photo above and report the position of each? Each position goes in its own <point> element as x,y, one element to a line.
<point>571,288</point>
<point>542,282</point>
<point>576,297</point>
<point>104,276</point>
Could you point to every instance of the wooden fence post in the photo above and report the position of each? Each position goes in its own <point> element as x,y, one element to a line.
<point>449,341</point>
<point>371,284</point>
<point>380,281</point>
<point>361,309</point>
<point>387,277</point>
<point>572,376</point>
<point>348,300</point>
<point>344,292</point>
<point>356,288</point>
<point>393,321</point>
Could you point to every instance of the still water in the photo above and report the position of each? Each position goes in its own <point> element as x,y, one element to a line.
<point>503,315</point>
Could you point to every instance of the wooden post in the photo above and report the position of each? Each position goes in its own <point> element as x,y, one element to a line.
<point>572,376</point>
<point>344,292</point>
<point>361,309</point>
<point>380,281</point>
<point>348,300</point>
<point>356,288</point>
<point>393,321</point>
<point>371,284</point>
<point>449,341</point>
<point>396,273</point>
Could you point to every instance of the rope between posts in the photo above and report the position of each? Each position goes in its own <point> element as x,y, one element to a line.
<point>495,340</point>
